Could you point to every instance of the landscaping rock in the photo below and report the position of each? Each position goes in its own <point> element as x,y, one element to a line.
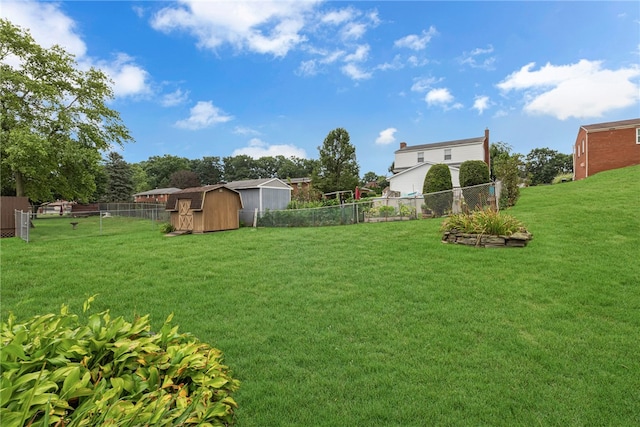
<point>516,240</point>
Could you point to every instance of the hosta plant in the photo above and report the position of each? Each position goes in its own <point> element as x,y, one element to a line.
<point>59,370</point>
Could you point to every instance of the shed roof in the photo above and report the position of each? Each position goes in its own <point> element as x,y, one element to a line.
<point>612,125</point>
<point>467,141</point>
<point>257,183</point>
<point>195,194</point>
<point>157,191</point>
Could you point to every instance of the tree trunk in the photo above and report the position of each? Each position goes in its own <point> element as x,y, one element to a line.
<point>19,183</point>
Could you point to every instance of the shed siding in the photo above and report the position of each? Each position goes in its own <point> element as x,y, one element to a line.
<point>222,208</point>
<point>275,199</point>
<point>8,206</point>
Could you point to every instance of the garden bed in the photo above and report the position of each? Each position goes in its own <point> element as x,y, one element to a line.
<point>519,239</point>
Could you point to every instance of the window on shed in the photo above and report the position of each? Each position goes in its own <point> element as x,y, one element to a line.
<point>447,153</point>
<point>420,156</point>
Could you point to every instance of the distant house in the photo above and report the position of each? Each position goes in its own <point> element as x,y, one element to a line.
<point>298,185</point>
<point>604,146</point>
<point>159,195</point>
<point>204,209</point>
<point>413,161</point>
<point>261,194</point>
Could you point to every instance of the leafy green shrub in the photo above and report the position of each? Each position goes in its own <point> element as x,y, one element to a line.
<point>474,172</point>
<point>485,221</point>
<point>407,210</point>
<point>57,370</point>
<point>438,181</point>
<point>166,227</point>
<point>565,177</point>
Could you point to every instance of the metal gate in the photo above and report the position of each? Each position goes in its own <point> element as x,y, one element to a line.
<point>23,221</point>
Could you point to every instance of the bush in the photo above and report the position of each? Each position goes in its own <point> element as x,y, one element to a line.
<point>474,172</point>
<point>438,181</point>
<point>57,370</point>
<point>483,222</point>
<point>166,227</point>
<point>565,177</point>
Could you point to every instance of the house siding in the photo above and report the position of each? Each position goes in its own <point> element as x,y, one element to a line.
<point>413,180</point>
<point>459,154</point>
<point>605,150</point>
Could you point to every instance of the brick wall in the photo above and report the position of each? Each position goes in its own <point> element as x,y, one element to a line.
<point>612,149</point>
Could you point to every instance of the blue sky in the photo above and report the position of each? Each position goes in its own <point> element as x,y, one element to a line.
<point>212,78</point>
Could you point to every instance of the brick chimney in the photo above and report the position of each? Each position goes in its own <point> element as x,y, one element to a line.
<point>403,145</point>
<point>485,145</point>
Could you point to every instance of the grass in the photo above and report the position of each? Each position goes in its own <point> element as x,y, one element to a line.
<point>381,324</point>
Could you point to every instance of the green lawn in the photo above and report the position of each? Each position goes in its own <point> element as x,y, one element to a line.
<point>381,324</point>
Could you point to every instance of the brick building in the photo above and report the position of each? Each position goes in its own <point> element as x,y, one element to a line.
<point>604,146</point>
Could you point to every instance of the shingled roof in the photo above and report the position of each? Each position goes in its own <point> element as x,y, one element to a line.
<point>442,144</point>
<point>196,194</point>
<point>612,125</point>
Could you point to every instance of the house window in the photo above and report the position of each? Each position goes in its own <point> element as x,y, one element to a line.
<point>420,157</point>
<point>583,145</point>
<point>637,135</point>
<point>447,153</point>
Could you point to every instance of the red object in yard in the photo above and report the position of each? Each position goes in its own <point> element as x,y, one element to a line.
<point>357,193</point>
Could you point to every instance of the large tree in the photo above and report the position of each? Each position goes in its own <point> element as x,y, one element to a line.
<point>544,164</point>
<point>160,168</point>
<point>338,169</point>
<point>209,169</point>
<point>120,186</point>
<point>54,121</point>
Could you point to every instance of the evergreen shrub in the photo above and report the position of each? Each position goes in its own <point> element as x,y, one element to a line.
<point>474,172</point>
<point>437,187</point>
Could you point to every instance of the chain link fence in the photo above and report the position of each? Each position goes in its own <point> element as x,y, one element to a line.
<point>23,224</point>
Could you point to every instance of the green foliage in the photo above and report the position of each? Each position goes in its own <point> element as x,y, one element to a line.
<point>184,179</point>
<point>337,169</point>
<point>485,221</point>
<point>60,370</point>
<point>48,148</point>
<point>208,169</point>
<point>474,172</point>
<point>437,189</point>
<point>160,168</point>
<point>166,227</point>
<point>119,179</point>
<point>565,177</point>
<point>507,169</point>
<point>543,164</point>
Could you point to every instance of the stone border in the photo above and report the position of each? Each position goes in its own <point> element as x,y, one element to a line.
<point>516,240</point>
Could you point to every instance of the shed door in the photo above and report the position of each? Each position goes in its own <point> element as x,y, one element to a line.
<point>185,216</point>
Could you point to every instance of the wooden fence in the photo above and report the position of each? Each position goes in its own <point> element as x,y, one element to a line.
<point>8,206</point>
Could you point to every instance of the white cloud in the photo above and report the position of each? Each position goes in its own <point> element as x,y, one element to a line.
<point>360,55</point>
<point>416,42</point>
<point>129,79</point>
<point>477,58</point>
<point>242,130</point>
<point>258,148</point>
<point>203,115</point>
<point>441,97</point>
<point>48,25</point>
<point>355,72</point>
<point>581,90</point>
<point>423,84</point>
<point>386,136</point>
<point>176,97</point>
<point>337,17</point>
<point>481,103</point>
<point>354,31</point>
<point>269,27</point>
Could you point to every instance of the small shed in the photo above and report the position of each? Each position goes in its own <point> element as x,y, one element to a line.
<point>8,206</point>
<point>204,209</point>
<point>261,195</point>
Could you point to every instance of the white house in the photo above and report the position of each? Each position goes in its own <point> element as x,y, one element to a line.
<point>413,161</point>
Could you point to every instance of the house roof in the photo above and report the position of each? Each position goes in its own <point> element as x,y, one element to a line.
<point>255,183</point>
<point>419,165</point>
<point>620,124</point>
<point>196,194</point>
<point>299,180</point>
<point>467,141</point>
<point>158,191</point>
